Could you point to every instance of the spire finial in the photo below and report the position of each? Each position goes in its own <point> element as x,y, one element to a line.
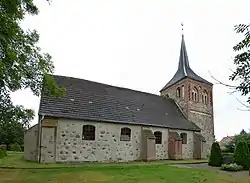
<point>182,25</point>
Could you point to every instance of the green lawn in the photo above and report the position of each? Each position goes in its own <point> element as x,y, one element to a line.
<point>16,160</point>
<point>114,173</point>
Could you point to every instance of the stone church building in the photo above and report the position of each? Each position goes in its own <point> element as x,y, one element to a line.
<point>103,123</point>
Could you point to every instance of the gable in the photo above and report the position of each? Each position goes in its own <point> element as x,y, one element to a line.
<point>100,102</point>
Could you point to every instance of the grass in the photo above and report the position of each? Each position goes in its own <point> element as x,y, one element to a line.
<point>16,160</point>
<point>114,173</point>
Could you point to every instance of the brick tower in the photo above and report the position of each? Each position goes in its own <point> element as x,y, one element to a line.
<point>194,95</point>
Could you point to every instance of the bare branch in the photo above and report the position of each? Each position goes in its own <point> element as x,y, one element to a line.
<point>221,83</point>
<point>247,106</point>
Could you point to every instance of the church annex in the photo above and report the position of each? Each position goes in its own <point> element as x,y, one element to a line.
<point>103,123</point>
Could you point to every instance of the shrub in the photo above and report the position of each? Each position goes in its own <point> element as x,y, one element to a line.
<point>15,147</point>
<point>3,151</point>
<point>227,158</point>
<point>215,158</point>
<point>241,155</point>
<point>231,167</point>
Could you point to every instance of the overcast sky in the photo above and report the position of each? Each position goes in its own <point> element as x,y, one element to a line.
<point>136,44</point>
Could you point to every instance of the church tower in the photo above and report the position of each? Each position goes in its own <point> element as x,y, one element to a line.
<point>194,96</point>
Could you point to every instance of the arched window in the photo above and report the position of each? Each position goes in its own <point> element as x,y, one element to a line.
<point>205,97</point>
<point>158,137</point>
<point>125,134</point>
<point>195,96</point>
<point>184,138</point>
<point>178,92</point>
<point>88,132</point>
<point>182,91</point>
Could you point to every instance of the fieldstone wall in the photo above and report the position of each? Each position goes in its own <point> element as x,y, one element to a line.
<point>30,143</point>
<point>187,149</point>
<point>107,146</point>
<point>161,149</point>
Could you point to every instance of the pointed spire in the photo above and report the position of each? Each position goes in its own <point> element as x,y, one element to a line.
<point>183,58</point>
<point>184,69</point>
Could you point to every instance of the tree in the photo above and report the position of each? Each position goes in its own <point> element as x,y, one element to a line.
<point>241,155</point>
<point>241,73</point>
<point>215,158</point>
<point>22,65</point>
<point>242,60</point>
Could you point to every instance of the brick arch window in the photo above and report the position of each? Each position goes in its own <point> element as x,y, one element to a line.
<point>125,134</point>
<point>158,137</point>
<point>182,91</point>
<point>88,132</point>
<point>178,92</point>
<point>195,96</point>
<point>205,97</point>
<point>184,138</point>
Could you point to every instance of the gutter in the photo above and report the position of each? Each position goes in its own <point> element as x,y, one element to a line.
<point>39,137</point>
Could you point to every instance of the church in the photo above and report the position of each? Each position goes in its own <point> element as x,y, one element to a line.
<point>96,122</point>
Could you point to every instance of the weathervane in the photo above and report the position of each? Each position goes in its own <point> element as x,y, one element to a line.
<point>182,27</point>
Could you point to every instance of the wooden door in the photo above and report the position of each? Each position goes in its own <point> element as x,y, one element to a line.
<point>171,148</point>
<point>48,145</point>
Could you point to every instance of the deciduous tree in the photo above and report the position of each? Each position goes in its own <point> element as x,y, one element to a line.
<point>22,64</point>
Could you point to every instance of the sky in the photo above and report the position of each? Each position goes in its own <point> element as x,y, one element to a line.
<point>136,44</point>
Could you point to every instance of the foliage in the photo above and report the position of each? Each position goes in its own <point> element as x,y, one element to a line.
<point>229,147</point>
<point>242,136</point>
<point>227,158</point>
<point>15,147</point>
<point>22,65</point>
<point>231,167</point>
<point>215,158</point>
<point>3,151</point>
<point>241,155</point>
<point>242,60</point>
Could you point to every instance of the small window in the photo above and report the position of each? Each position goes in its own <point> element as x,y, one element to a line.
<point>184,138</point>
<point>125,134</point>
<point>182,91</point>
<point>158,137</point>
<point>195,95</point>
<point>178,92</point>
<point>205,97</point>
<point>88,132</point>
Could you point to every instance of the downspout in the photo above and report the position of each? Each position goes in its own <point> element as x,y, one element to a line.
<point>39,137</point>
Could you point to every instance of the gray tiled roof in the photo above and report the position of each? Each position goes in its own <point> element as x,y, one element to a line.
<point>184,70</point>
<point>89,100</point>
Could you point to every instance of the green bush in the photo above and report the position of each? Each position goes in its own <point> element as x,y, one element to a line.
<point>215,158</point>
<point>15,147</point>
<point>241,155</point>
<point>231,167</point>
<point>227,158</point>
<point>3,151</point>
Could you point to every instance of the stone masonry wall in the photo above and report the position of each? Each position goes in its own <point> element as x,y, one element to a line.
<point>106,147</point>
<point>187,149</point>
<point>161,149</point>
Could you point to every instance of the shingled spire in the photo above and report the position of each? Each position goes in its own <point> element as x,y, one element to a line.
<point>184,70</point>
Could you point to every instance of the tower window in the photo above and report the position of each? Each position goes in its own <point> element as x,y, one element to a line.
<point>178,92</point>
<point>205,97</point>
<point>195,96</point>
<point>182,91</point>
